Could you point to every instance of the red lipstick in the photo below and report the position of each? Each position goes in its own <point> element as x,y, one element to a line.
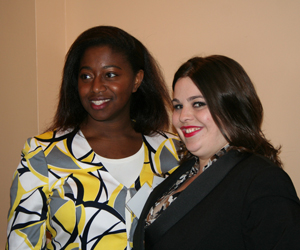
<point>189,131</point>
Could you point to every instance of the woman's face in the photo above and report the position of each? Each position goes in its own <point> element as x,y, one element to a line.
<point>193,121</point>
<point>105,84</point>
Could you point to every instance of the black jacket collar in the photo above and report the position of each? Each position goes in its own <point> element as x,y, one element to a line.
<point>188,199</point>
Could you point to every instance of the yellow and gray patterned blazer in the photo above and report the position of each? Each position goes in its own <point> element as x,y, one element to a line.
<point>61,187</point>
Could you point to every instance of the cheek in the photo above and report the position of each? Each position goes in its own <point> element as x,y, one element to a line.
<point>175,118</point>
<point>82,94</point>
<point>177,125</point>
<point>207,119</point>
<point>82,89</point>
<point>120,91</point>
<point>216,133</point>
<point>212,127</point>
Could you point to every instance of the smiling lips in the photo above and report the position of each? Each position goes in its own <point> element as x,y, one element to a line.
<point>98,104</point>
<point>190,131</point>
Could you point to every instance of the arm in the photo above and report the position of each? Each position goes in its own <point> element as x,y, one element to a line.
<point>29,192</point>
<point>272,212</point>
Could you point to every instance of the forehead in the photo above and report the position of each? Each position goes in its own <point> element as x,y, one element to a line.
<point>185,88</point>
<point>103,54</point>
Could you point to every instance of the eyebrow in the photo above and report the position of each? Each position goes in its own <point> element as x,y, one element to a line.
<point>105,67</point>
<point>112,66</point>
<point>190,98</point>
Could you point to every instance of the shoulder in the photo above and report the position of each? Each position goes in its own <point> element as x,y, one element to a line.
<point>161,135</point>
<point>162,148</point>
<point>55,135</point>
<point>257,165</point>
<point>267,192</point>
<point>160,138</point>
<point>44,139</point>
<point>253,163</point>
<point>264,178</point>
<point>162,142</point>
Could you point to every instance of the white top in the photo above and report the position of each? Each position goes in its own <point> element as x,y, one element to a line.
<point>125,170</point>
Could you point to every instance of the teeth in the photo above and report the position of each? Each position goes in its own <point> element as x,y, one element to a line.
<point>190,130</point>
<point>100,102</point>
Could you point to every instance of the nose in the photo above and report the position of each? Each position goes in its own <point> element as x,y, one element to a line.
<point>98,85</point>
<point>185,114</point>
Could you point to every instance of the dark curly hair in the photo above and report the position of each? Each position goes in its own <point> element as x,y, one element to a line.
<point>149,104</point>
<point>232,102</point>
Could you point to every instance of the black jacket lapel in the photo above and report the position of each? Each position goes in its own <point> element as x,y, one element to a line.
<point>188,199</point>
<point>138,240</point>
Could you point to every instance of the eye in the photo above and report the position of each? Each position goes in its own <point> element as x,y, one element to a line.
<point>177,106</point>
<point>199,104</point>
<point>84,77</point>
<point>110,75</point>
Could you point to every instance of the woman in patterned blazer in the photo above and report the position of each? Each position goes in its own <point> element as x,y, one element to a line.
<point>71,188</point>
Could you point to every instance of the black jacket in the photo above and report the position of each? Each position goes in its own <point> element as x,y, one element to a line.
<point>242,201</point>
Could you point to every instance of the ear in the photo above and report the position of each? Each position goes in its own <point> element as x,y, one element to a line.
<point>138,80</point>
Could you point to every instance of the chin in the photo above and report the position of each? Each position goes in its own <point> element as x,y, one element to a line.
<point>193,152</point>
<point>192,148</point>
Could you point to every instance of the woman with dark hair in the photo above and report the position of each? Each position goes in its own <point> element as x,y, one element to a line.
<point>230,191</point>
<point>105,143</point>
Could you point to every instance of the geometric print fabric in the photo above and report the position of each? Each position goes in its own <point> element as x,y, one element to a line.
<point>61,186</point>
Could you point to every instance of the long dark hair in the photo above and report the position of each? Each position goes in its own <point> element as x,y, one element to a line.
<point>232,102</point>
<point>149,104</point>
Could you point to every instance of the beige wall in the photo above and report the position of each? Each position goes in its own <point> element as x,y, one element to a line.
<point>18,95</point>
<point>35,34</point>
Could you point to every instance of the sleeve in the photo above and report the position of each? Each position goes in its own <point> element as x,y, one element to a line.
<point>272,212</point>
<point>29,192</point>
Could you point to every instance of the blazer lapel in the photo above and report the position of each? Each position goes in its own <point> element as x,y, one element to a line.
<point>188,199</point>
<point>138,241</point>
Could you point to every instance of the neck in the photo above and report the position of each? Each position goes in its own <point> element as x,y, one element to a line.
<point>108,129</point>
<point>202,164</point>
<point>219,153</point>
